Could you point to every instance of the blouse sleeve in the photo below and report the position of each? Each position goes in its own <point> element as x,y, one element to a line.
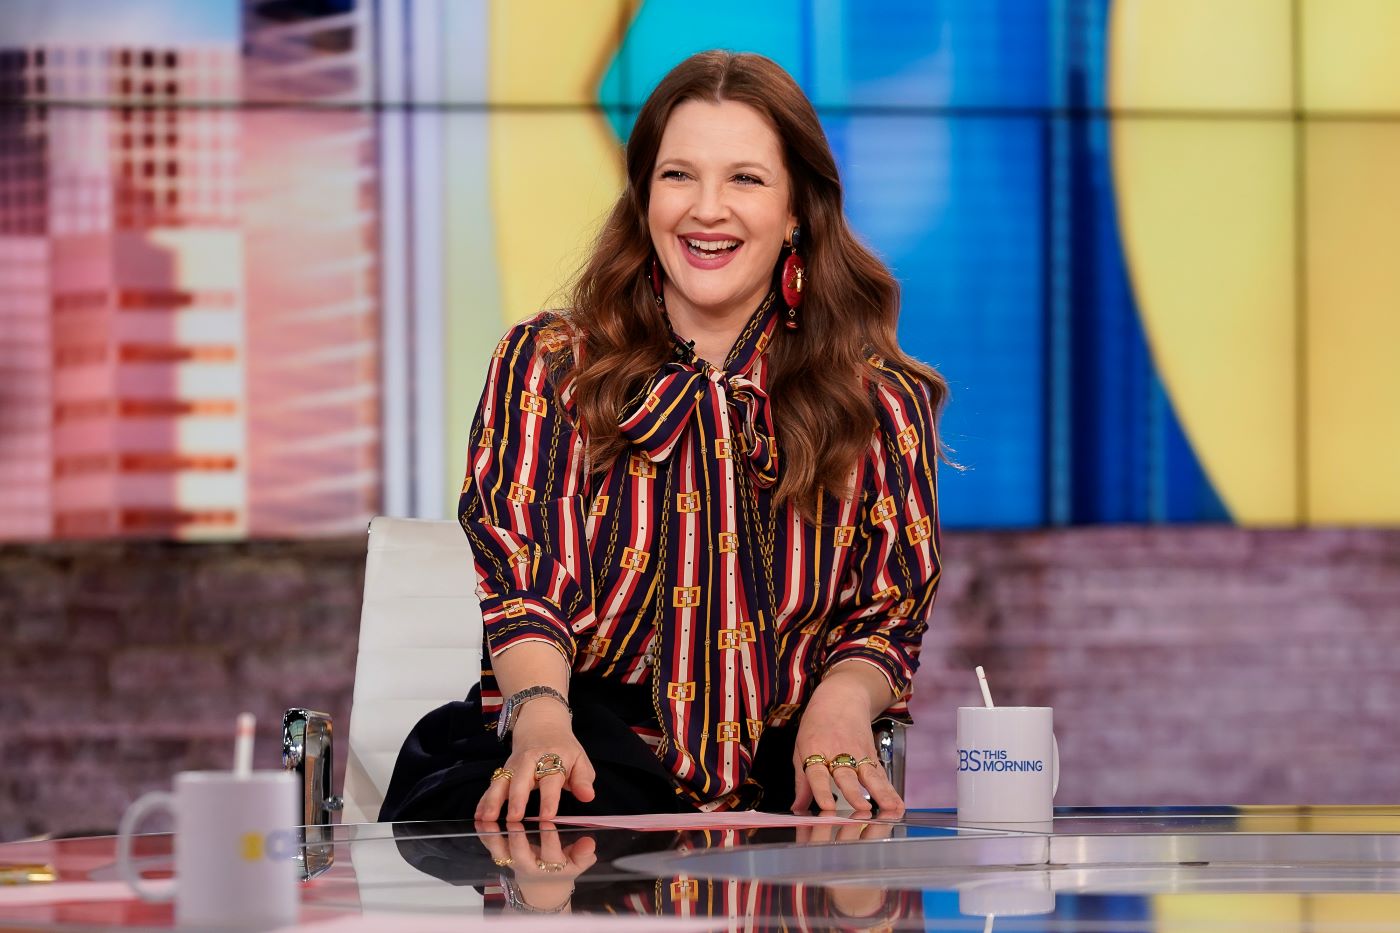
<point>522,503</point>
<point>889,594</point>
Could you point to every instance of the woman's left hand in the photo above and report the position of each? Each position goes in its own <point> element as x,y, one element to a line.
<point>837,722</point>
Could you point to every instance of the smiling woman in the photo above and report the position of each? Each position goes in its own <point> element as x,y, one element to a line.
<point>707,542</point>
<point>720,210</point>
<point>755,139</point>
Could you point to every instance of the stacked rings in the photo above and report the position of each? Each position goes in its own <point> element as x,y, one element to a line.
<point>547,765</point>
<point>867,760</point>
<point>813,760</point>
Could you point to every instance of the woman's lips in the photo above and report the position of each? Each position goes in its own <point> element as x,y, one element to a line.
<point>700,261</point>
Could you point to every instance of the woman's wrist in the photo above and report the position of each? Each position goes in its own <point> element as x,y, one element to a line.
<point>543,713</point>
<point>858,681</point>
<point>518,703</point>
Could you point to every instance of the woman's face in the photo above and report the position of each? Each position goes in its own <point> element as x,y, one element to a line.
<point>720,208</point>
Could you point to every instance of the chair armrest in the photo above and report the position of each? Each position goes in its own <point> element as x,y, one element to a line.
<point>309,751</point>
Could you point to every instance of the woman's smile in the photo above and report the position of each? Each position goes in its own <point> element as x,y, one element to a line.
<point>709,250</point>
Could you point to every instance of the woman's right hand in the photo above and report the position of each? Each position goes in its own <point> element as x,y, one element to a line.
<point>542,728</point>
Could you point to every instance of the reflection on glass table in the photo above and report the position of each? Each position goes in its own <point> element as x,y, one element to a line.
<point>1139,869</point>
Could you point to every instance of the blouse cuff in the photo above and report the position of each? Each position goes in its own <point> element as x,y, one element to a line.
<point>896,673</point>
<point>513,621</point>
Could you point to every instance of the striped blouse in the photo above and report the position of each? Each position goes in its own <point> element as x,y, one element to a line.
<point>675,568</point>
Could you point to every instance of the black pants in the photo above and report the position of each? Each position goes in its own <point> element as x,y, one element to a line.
<point>446,762</point>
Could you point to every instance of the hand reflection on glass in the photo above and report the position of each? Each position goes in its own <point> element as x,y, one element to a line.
<point>537,869</point>
<point>853,903</point>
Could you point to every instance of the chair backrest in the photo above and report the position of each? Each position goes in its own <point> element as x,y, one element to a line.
<point>420,646</point>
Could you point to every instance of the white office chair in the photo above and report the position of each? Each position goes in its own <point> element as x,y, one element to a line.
<point>420,647</point>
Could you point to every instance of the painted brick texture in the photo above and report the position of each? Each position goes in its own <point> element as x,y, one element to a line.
<point>122,663</point>
<point>1185,665</point>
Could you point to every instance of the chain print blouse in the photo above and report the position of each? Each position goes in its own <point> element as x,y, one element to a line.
<point>675,569</point>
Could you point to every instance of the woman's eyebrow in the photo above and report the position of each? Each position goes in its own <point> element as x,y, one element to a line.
<point>743,165</point>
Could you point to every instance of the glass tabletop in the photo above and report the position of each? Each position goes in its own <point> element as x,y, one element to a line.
<point>1160,869</point>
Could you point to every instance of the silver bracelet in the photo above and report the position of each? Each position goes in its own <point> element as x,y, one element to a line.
<point>513,899</point>
<point>510,712</point>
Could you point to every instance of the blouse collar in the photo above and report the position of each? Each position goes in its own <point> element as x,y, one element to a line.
<point>752,341</point>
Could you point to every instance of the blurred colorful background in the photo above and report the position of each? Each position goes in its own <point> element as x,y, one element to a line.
<point>254,253</point>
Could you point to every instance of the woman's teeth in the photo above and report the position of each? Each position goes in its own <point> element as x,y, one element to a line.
<point>708,248</point>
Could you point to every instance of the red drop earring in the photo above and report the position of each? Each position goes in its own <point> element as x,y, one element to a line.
<point>792,279</point>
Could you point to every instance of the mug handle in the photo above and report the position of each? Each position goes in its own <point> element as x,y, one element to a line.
<point>1054,765</point>
<point>145,804</point>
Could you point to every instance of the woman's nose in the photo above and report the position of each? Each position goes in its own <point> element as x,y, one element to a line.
<point>710,205</point>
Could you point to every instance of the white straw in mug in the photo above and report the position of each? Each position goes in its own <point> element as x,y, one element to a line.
<point>243,746</point>
<point>986,691</point>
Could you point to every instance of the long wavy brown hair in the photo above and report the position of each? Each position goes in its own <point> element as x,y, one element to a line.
<point>821,375</point>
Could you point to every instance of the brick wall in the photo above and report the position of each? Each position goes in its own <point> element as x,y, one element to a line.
<point>122,663</point>
<point>1185,665</point>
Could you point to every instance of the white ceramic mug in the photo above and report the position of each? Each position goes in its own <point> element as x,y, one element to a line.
<point>1008,764</point>
<point>235,848</point>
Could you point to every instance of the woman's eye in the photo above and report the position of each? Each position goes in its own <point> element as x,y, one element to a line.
<point>748,179</point>
<point>672,174</point>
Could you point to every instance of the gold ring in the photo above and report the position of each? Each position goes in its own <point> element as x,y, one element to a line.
<point>503,862</point>
<point>843,760</point>
<point>501,773</point>
<point>550,866</point>
<point>548,764</point>
<point>813,760</point>
<point>867,760</point>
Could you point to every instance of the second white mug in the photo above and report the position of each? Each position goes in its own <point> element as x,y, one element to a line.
<point>235,848</point>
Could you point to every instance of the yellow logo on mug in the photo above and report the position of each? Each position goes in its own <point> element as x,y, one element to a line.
<point>250,846</point>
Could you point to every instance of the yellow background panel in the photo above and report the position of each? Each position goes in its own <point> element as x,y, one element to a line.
<point>1206,213</point>
<point>1356,911</point>
<point>1353,322</point>
<point>1201,54</point>
<point>1351,55</point>
<point>1332,819</point>
<point>1195,913</point>
<point>547,52</point>
<point>556,175</point>
<point>551,175</point>
<point>1180,913</point>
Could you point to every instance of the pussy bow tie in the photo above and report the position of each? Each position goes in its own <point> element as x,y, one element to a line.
<point>714,423</point>
<point>680,391</point>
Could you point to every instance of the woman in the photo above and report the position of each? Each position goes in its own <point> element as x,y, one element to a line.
<point>702,501</point>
